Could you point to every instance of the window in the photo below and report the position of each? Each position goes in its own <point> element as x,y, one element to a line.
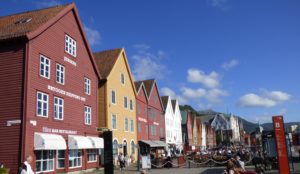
<point>132,146</point>
<point>44,67</point>
<point>44,160</point>
<point>70,45</point>
<point>92,155</point>
<point>125,103</point>
<point>87,115</point>
<point>114,121</point>
<point>60,159</point>
<point>161,132</point>
<point>155,99</point>
<point>139,127</point>
<point>131,126</point>
<point>138,107</point>
<point>131,105</point>
<point>75,158</point>
<point>115,148</point>
<point>146,127</point>
<point>113,97</point>
<point>122,79</point>
<point>152,130</point>
<point>42,104</point>
<point>87,86</point>
<point>60,74</point>
<point>58,108</point>
<point>126,124</point>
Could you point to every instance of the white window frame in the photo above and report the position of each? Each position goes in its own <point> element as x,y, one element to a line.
<point>125,100</point>
<point>126,126</point>
<point>70,45</point>
<point>131,105</point>
<point>115,97</point>
<point>47,160</point>
<point>131,125</point>
<point>57,159</point>
<point>43,60</point>
<point>87,86</point>
<point>60,74</point>
<point>112,122</point>
<point>87,115</point>
<point>132,147</point>
<point>57,106</point>
<point>92,152</point>
<point>42,104</point>
<point>79,158</point>
<point>122,77</point>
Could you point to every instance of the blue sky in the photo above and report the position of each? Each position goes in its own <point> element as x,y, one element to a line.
<point>232,56</point>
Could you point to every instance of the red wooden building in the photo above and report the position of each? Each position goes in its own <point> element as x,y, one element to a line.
<point>187,130</point>
<point>48,92</point>
<point>150,117</point>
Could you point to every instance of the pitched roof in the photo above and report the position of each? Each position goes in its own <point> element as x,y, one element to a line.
<point>148,85</point>
<point>164,100</point>
<point>19,25</point>
<point>173,104</point>
<point>106,60</point>
<point>138,84</point>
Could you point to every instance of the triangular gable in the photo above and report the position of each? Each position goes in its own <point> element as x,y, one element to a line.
<point>52,21</point>
<point>140,87</point>
<point>123,54</point>
<point>155,84</point>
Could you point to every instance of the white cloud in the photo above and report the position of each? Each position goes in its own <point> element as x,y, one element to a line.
<point>268,99</point>
<point>218,4</point>
<point>211,95</point>
<point>148,65</point>
<point>210,80</point>
<point>214,95</point>
<point>93,35</point>
<point>193,93</point>
<point>278,95</point>
<point>47,3</point>
<point>228,65</point>
<point>169,92</point>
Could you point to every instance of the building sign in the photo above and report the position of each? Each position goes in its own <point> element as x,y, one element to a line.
<point>70,61</point>
<point>60,131</point>
<point>63,92</point>
<point>281,144</point>
<point>142,120</point>
<point>155,123</point>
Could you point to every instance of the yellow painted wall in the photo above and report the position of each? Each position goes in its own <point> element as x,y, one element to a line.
<point>114,83</point>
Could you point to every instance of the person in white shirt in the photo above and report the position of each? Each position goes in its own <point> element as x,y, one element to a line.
<point>26,168</point>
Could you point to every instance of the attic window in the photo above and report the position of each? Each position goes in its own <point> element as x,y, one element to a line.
<point>23,21</point>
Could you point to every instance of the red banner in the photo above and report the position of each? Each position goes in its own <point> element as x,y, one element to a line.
<point>281,145</point>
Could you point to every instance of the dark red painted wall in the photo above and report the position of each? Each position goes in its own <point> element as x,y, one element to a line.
<point>53,48</point>
<point>158,120</point>
<point>141,115</point>
<point>190,119</point>
<point>11,93</point>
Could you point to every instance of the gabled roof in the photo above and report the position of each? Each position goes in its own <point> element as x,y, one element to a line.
<point>106,60</point>
<point>164,100</point>
<point>149,85</point>
<point>140,85</point>
<point>19,25</point>
<point>32,23</point>
<point>174,104</point>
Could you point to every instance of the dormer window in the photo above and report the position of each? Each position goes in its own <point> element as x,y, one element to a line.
<point>70,46</point>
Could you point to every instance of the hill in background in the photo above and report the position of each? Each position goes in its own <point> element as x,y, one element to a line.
<point>248,125</point>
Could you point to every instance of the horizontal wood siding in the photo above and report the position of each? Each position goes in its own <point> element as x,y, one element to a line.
<point>50,43</point>
<point>11,92</point>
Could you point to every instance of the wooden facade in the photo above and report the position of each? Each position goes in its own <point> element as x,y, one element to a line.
<point>23,81</point>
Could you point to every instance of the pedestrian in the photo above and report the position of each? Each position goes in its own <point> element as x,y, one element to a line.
<point>121,160</point>
<point>26,167</point>
<point>143,172</point>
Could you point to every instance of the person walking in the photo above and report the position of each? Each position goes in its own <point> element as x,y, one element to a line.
<point>26,167</point>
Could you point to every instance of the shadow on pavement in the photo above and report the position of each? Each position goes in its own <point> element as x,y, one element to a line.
<point>213,171</point>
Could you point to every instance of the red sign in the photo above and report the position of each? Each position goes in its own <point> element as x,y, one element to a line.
<point>281,145</point>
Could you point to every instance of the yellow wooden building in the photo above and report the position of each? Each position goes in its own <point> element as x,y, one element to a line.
<point>117,100</point>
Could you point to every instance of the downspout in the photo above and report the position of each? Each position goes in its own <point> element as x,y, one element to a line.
<point>24,104</point>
